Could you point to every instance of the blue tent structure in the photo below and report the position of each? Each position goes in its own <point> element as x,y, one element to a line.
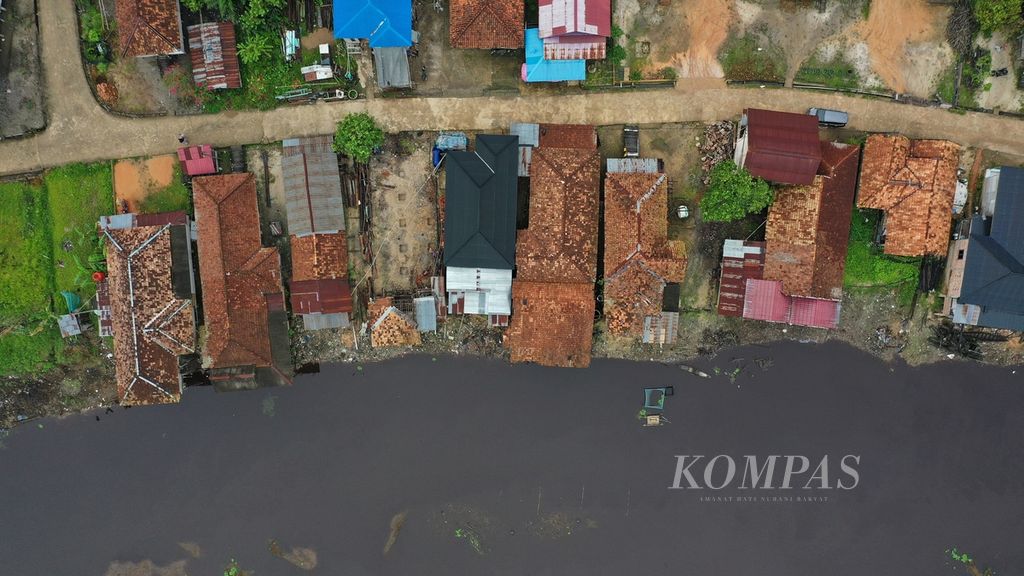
<point>537,69</point>
<point>386,23</point>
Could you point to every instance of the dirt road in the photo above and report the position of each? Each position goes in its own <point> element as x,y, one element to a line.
<point>80,130</point>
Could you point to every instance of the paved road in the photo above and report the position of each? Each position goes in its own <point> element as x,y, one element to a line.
<point>549,468</point>
<point>79,130</point>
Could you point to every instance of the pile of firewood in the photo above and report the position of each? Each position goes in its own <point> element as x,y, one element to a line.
<point>716,146</point>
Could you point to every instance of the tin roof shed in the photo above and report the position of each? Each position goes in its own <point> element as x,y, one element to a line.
<point>781,147</point>
<point>312,186</point>
<point>214,55</point>
<point>539,69</point>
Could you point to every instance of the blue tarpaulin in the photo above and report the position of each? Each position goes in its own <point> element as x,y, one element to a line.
<point>537,69</point>
<point>386,23</point>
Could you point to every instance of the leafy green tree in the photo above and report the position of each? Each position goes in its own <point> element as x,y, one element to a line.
<point>357,135</point>
<point>733,193</point>
<point>256,47</point>
<point>995,14</point>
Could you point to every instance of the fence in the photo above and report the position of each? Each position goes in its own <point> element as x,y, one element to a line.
<point>894,96</point>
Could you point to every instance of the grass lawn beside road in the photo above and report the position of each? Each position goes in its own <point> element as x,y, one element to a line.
<point>35,221</point>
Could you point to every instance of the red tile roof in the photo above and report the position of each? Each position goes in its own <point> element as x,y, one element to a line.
<point>552,323</point>
<point>809,226</point>
<point>639,259</point>
<point>579,136</point>
<point>556,257</point>
<point>319,256</point>
<point>782,147</point>
<point>152,325</point>
<point>914,182</point>
<point>214,56</point>
<point>240,278</point>
<point>487,24</point>
<point>198,160</point>
<point>765,301</point>
<point>149,27</point>
<point>320,296</point>
<point>560,244</point>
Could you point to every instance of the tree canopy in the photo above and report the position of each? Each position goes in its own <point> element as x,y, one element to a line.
<point>733,193</point>
<point>995,14</point>
<point>357,135</point>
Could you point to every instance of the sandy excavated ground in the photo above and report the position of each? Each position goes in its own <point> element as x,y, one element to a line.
<point>135,179</point>
<point>900,46</point>
<point>906,43</point>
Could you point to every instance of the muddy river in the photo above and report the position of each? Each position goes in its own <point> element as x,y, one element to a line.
<point>470,466</point>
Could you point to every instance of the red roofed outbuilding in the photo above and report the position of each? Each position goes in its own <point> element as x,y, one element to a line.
<point>781,147</point>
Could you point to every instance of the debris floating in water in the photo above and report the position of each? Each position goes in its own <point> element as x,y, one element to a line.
<point>694,371</point>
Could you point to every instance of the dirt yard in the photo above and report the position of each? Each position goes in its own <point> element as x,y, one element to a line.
<point>900,46</point>
<point>1004,94</point>
<point>22,106</point>
<point>683,34</point>
<point>136,179</point>
<point>906,43</point>
<point>453,71</point>
<point>404,213</point>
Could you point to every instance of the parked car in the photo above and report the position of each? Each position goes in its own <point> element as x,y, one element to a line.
<point>631,141</point>
<point>830,118</point>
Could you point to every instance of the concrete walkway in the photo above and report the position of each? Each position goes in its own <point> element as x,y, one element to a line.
<point>80,130</point>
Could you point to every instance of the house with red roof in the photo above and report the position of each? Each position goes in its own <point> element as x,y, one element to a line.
<point>245,320</point>
<point>486,24</point>
<point>780,147</point>
<point>149,28</point>
<point>198,160</point>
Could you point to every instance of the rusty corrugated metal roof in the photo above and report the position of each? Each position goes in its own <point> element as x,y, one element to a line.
<point>214,55</point>
<point>782,147</point>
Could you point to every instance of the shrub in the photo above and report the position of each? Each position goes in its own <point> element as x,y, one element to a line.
<point>995,14</point>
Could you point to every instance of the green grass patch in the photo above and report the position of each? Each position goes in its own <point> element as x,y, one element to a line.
<point>749,58</point>
<point>78,195</point>
<point>173,198</point>
<point>867,266</point>
<point>834,73</point>
<point>28,335</point>
<point>47,236</point>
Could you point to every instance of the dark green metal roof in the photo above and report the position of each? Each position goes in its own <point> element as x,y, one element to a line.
<point>480,204</point>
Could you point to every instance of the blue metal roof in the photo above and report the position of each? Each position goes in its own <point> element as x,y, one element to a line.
<point>537,69</point>
<point>386,23</point>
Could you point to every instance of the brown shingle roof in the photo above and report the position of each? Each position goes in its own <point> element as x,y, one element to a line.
<point>486,24</point>
<point>808,228</point>
<point>552,323</point>
<point>240,277</point>
<point>319,256</point>
<point>578,136</point>
<point>389,326</point>
<point>149,27</point>
<point>152,325</point>
<point>638,259</point>
<point>914,182</point>
<point>560,244</point>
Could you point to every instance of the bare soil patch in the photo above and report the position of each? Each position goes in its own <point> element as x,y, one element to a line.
<point>683,34</point>
<point>905,39</point>
<point>404,213</point>
<point>136,93</point>
<point>135,179</point>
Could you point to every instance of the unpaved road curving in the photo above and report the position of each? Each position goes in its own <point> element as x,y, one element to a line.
<point>80,130</point>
